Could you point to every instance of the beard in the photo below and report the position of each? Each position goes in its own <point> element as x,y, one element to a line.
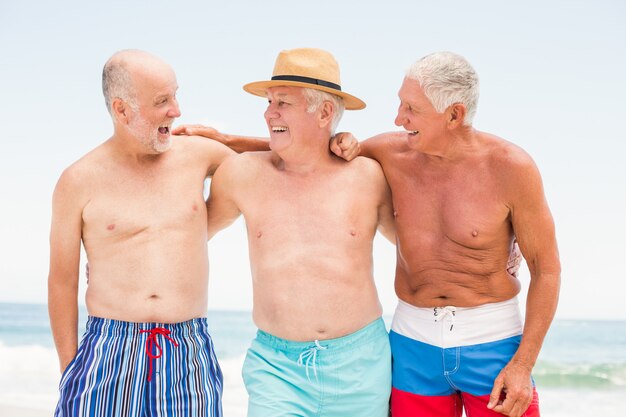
<point>149,135</point>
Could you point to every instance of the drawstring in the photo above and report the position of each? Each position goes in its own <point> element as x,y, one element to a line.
<point>442,312</point>
<point>310,355</point>
<point>151,341</point>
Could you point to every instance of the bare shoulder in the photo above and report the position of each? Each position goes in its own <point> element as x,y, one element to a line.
<point>79,179</point>
<point>512,166</point>
<point>200,152</point>
<point>200,147</point>
<point>245,164</point>
<point>506,155</point>
<point>367,166</point>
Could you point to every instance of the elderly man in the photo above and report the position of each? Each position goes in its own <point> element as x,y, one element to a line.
<point>321,348</point>
<point>136,203</point>
<point>461,197</point>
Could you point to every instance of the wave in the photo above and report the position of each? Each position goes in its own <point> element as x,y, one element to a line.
<point>580,375</point>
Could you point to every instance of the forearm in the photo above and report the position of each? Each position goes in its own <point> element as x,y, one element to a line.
<point>541,303</point>
<point>241,144</point>
<point>63,310</point>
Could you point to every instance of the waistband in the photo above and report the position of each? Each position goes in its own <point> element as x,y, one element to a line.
<point>458,326</point>
<point>111,327</point>
<point>366,334</point>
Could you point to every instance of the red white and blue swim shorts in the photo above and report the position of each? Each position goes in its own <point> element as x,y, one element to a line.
<point>446,359</point>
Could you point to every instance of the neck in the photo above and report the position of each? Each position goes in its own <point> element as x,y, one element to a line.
<point>456,145</point>
<point>304,160</point>
<point>132,150</point>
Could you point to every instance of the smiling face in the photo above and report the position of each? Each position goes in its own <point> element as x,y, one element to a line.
<point>157,108</point>
<point>287,117</point>
<point>425,126</point>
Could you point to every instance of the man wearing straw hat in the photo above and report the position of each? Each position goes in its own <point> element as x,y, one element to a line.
<point>322,347</point>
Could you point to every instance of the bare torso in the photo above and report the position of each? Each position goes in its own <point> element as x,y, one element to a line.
<point>310,239</point>
<point>144,231</point>
<point>453,226</point>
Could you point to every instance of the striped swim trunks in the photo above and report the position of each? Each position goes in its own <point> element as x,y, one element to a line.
<point>342,377</point>
<point>142,369</point>
<point>447,358</point>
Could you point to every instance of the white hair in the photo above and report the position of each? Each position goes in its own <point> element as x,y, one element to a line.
<point>447,78</point>
<point>117,82</point>
<point>315,98</point>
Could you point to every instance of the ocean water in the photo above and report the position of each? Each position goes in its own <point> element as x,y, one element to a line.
<point>581,371</point>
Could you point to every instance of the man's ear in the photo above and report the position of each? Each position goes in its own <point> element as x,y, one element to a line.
<point>120,110</point>
<point>456,115</point>
<point>327,112</point>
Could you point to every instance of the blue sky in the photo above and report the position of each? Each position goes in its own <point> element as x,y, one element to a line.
<point>552,81</point>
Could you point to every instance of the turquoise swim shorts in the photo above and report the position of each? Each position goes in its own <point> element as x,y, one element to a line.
<point>348,376</point>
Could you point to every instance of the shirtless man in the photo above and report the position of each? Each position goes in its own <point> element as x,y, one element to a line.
<point>461,196</point>
<point>322,347</point>
<point>136,202</point>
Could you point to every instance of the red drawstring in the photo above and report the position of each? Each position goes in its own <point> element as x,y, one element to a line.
<point>152,341</point>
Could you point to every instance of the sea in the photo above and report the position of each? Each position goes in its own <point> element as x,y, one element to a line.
<point>581,371</point>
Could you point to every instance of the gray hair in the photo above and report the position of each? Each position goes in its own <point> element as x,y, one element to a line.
<point>447,78</point>
<point>315,98</point>
<point>117,82</point>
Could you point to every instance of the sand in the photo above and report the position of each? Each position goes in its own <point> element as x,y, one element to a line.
<point>12,411</point>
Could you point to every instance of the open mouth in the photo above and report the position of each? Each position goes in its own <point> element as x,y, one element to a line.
<point>164,130</point>
<point>279,129</point>
<point>413,132</point>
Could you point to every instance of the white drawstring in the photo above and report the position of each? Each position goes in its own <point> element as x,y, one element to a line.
<point>309,355</point>
<point>442,312</point>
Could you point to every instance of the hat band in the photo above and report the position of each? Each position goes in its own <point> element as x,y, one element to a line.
<point>307,80</point>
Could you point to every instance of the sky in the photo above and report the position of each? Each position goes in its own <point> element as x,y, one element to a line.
<point>552,81</point>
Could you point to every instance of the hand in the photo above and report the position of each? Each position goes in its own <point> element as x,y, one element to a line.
<point>196,130</point>
<point>512,391</point>
<point>515,260</point>
<point>345,145</point>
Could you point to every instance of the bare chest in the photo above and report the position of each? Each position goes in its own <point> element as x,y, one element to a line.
<point>462,208</point>
<point>311,210</point>
<point>133,206</point>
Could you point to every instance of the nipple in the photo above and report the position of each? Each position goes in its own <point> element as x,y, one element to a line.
<point>111,227</point>
<point>259,234</point>
<point>474,233</point>
<point>353,232</point>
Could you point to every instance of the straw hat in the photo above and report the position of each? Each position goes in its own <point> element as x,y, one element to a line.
<point>308,68</point>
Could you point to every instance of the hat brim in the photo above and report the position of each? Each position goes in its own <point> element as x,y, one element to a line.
<point>259,88</point>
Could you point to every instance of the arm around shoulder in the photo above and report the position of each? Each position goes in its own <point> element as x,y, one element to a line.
<point>237,143</point>
<point>376,146</point>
